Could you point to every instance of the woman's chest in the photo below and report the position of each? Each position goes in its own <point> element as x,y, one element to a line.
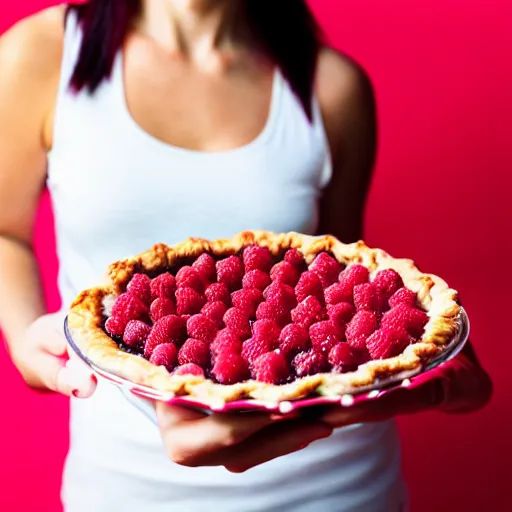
<point>215,109</point>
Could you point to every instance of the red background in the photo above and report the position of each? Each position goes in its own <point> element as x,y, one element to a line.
<point>443,75</point>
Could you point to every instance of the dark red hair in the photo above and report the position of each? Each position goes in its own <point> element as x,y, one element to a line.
<point>286,31</point>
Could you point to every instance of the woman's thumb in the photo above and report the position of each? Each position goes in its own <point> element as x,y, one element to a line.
<point>73,378</point>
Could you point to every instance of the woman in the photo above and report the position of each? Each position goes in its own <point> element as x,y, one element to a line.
<point>155,120</point>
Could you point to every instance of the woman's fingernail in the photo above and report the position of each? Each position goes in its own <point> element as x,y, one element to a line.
<point>75,393</point>
<point>94,379</point>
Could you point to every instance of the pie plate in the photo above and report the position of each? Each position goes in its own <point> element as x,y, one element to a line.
<point>142,396</point>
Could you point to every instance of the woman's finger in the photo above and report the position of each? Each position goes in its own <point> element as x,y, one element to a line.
<point>190,437</point>
<point>272,442</point>
<point>69,375</point>
<point>170,416</point>
<point>73,379</point>
<point>83,380</point>
<point>54,341</point>
<point>428,395</point>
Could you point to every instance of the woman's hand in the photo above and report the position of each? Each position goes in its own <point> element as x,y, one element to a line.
<point>44,363</point>
<point>236,441</point>
<point>459,386</point>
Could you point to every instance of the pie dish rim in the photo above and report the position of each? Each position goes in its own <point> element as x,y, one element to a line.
<point>86,317</point>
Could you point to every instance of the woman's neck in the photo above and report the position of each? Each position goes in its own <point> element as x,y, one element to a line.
<point>193,29</point>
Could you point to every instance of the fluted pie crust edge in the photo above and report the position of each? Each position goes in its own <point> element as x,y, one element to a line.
<point>86,318</point>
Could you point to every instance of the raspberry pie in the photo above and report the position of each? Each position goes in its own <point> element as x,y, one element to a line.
<point>263,316</point>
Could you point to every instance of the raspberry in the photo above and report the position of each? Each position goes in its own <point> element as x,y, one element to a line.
<point>136,333</point>
<point>201,328</point>
<point>309,284</point>
<point>362,355</point>
<point>256,279</point>
<point>281,294</point>
<point>403,296</point>
<point>327,268</point>
<point>272,311</point>
<point>215,312</point>
<point>335,294</point>
<point>308,312</point>
<point>166,355</point>
<point>333,328</point>
<point>309,363</point>
<point>238,321</point>
<point>230,271</point>
<point>195,351</point>
<point>188,301</point>
<point>256,347</point>
<point>163,286</point>
<point>257,257</point>
<point>388,282</point>
<point>226,341</point>
<point>247,300</point>
<point>417,321</point>
<point>266,329</point>
<point>381,302</point>
<point>218,291</point>
<point>350,277</point>
<point>161,307</point>
<point>386,343</point>
<point>205,265</point>
<point>324,335</point>
<point>189,369</point>
<point>404,317</point>
<point>286,273</point>
<point>342,358</point>
<point>271,368</point>
<point>169,329</point>
<point>295,258</point>
<point>365,297</point>
<point>293,339</point>
<point>127,307</point>
<point>115,326</point>
<point>341,313</point>
<point>360,328</point>
<point>188,277</point>
<point>230,368</point>
<point>140,287</point>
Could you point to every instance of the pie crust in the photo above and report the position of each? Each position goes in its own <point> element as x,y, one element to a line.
<point>88,311</point>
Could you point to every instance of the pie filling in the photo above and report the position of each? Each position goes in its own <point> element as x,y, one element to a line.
<point>270,318</point>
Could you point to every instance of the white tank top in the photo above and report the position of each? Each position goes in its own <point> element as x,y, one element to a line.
<point>116,191</point>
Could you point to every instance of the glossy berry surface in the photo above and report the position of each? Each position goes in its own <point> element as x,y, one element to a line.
<point>273,318</point>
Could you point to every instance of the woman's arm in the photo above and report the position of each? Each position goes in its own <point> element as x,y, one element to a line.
<point>348,107</point>
<point>26,83</point>
<point>347,101</point>
<point>30,55</point>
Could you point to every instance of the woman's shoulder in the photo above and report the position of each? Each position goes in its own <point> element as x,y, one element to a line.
<point>339,78</point>
<point>31,50</point>
<point>343,89</point>
<point>30,62</point>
